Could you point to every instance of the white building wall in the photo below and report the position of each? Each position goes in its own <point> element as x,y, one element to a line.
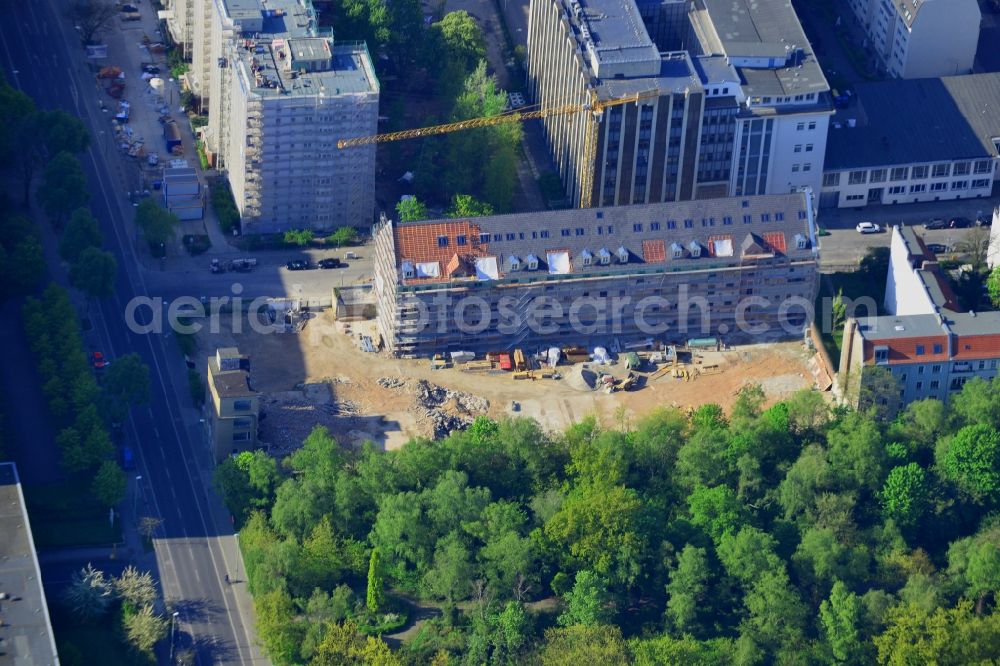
<point>904,292</point>
<point>789,170</point>
<point>943,39</point>
<point>958,180</point>
<point>201,45</point>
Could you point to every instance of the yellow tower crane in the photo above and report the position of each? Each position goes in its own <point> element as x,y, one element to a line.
<point>595,108</point>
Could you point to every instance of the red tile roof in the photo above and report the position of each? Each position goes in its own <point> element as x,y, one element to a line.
<point>654,251</point>
<point>904,350</point>
<point>969,347</point>
<point>776,240</point>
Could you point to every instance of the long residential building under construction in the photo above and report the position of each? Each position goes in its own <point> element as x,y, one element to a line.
<point>280,94</point>
<point>738,269</point>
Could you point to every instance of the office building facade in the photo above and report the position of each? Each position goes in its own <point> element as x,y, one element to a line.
<point>715,112</point>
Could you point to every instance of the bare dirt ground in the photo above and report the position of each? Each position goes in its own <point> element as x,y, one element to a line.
<point>320,376</point>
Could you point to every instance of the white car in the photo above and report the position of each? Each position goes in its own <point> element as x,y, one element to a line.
<point>868,228</point>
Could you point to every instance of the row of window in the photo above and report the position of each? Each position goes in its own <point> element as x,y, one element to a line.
<point>802,167</point>
<point>918,172</point>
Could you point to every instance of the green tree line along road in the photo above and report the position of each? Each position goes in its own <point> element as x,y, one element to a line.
<point>792,534</point>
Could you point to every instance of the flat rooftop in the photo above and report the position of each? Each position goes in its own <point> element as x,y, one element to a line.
<point>891,327</point>
<point>26,632</point>
<point>677,74</point>
<point>230,383</point>
<point>907,121</point>
<point>742,29</point>
<point>283,53</point>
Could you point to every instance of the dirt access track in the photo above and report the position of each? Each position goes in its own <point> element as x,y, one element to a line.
<point>320,376</point>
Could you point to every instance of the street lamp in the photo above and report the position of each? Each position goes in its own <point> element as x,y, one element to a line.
<point>135,496</point>
<point>173,619</point>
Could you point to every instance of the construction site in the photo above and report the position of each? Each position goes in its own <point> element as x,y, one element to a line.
<point>317,373</point>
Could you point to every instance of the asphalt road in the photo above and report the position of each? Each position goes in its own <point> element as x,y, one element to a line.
<point>195,548</point>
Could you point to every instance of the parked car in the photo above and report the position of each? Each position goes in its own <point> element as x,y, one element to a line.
<point>298,265</point>
<point>984,221</point>
<point>868,228</point>
<point>960,223</point>
<point>128,461</point>
<point>936,223</point>
<point>99,361</point>
<point>937,248</point>
<point>331,262</point>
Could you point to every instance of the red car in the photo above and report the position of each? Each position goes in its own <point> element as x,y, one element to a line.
<point>99,361</point>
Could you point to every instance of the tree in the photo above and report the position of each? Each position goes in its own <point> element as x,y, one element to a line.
<point>108,486</point>
<point>687,590</point>
<point>466,205</point>
<point>587,603</point>
<point>62,131</point>
<point>977,402</point>
<point>971,458</point>
<point>135,587</point>
<point>158,225</point>
<point>343,236</point>
<point>19,135</point>
<point>875,265</point>
<point>247,482</point>
<point>715,510</point>
<point>451,575</point>
<point>93,272</point>
<point>24,267</point>
<point>838,311</point>
<point>411,209</point>
<point>127,380</point>
<point>576,645</point>
<point>89,593</point>
<point>301,238</point>
<point>841,616</point>
<point>976,245</point>
<point>993,286</point>
<point>905,495</point>
<point>879,393</point>
<point>144,628</point>
<point>376,586</point>
<point>80,233</point>
<point>943,636</point>
<point>92,17</point>
<point>457,38</point>
<point>64,188</point>
<point>342,645</point>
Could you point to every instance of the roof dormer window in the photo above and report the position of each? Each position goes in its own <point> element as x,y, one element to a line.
<point>586,257</point>
<point>408,270</point>
<point>623,255</point>
<point>514,262</point>
<point>695,249</point>
<point>604,256</point>
<point>800,241</point>
<point>676,250</point>
<point>532,262</point>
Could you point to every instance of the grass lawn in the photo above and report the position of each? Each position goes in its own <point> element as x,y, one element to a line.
<point>64,514</point>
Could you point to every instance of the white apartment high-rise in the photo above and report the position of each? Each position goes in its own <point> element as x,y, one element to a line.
<point>281,93</point>
<point>921,38</point>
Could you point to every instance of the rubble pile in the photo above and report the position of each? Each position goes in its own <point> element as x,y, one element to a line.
<point>443,409</point>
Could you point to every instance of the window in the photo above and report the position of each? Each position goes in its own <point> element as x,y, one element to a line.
<point>242,422</point>
<point>831,179</point>
<point>881,354</point>
<point>727,220</point>
<point>807,166</point>
<point>795,168</point>
<point>798,148</point>
<point>984,166</point>
<point>960,185</point>
<point>920,370</point>
<point>688,224</point>
<point>579,231</point>
<point>877,176</point>
<point>459,240</point>
<point>241,405</point>
<point>809,147</point>
<point>961,169</point>
<point>241,437</point>
<point>611,230</point>
<point>812,125</point>
<point>920,350</point>
<point>600,231</point>
<point>484,238</point>
<point>745,203</point>
<point>442,241</point>
<point>779,217</point>
<point>637,228</point>
<point>899,173</point>
<point>655,226</point>
<point>980,182</point>
<point>920,386</point>
<point>565,232</point>
<point>935,384</point>
<point>803,215</point>
<point>511,236</point>
<point>799,127</point>
<point>939,187</point>
<point>857,178</point>
<point>747,219</point>
<point>919,172</point>
<point>765,217</point>
<point>544,233</point>
<point>941,170</point>
<point>936,368</point>
<point>497,238</point>
<point>897,189</point>
<point>916,189</point>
